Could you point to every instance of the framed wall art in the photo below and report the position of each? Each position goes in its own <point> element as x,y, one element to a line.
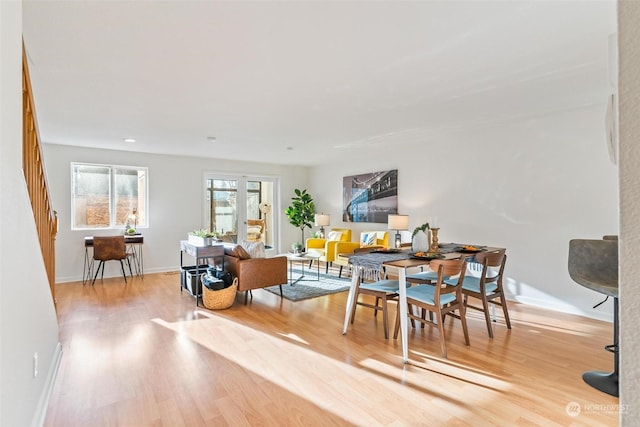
<point>370,197</point>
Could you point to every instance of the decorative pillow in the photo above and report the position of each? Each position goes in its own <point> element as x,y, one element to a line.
<point>255,249</point>
<point>255,229</point>
<point>369,239</point>
<point>334,235</point>
<point>230,249</point>
<point>236,251</point>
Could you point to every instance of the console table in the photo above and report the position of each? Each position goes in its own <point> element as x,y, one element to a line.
<point>201,254</point>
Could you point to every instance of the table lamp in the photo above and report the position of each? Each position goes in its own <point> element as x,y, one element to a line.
<point>322,220</point>
<point>265,208</point>
<point>132,217</point>
<point>398,222</point>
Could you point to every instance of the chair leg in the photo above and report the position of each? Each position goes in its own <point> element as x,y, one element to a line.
<point>100,264</point>
<point>375,310</point>
<point>463,318</point>
<point>123,272</point>
<point>340,272</point>
<point>326,268</point>
<point>397,326</point>
<point>443,344</point>
<point>487,316</point>
<point>385,317</point>
<point>503,302</point>
<point>130,271</point>
<point>410,310</point>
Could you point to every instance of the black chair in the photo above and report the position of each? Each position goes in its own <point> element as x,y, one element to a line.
<point>594,265</point>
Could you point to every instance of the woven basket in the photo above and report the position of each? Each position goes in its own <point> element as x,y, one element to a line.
<point>219,300</point>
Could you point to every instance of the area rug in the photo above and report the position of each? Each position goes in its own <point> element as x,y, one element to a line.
<point>306,289</point>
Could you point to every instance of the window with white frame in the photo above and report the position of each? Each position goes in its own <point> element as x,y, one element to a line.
<point>107,196</point>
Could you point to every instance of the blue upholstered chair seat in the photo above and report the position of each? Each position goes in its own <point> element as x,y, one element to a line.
<point>472,284</point>
<point>389,286</point>
<point>426,293</point>
<point>382,290</point>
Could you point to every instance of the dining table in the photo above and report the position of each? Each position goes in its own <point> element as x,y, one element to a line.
<point>376,264</point>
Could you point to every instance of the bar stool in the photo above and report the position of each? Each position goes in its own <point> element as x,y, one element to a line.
<point>594,265</point>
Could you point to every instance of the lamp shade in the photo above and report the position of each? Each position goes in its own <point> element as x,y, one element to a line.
<point>398,222</point>
<point>322,219</point>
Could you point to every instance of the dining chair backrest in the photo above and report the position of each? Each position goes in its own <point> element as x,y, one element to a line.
<point>108,248</point>
<point>492,264</point>
<point>448,268</point>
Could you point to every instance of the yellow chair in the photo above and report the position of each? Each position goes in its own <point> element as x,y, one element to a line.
<point>368,239</point>
<point>326,248</point>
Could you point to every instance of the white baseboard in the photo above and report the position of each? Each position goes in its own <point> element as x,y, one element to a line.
<point>43,403</point>
<point>78,278</point>
<point>563,308</point>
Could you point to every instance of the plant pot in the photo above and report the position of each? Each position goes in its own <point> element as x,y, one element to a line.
<point>200,241</point>
<point>420,242</point>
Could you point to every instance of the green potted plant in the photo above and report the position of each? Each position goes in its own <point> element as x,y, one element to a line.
<point>296,247</point>
<point>301,212</point>
<point>202,237</point>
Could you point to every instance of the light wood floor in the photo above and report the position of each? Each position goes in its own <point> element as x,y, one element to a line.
<point>138,355</point>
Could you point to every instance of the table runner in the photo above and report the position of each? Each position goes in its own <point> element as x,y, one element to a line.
<point>371,262</point>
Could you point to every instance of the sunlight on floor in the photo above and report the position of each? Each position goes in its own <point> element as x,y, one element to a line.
<point>297,367</point>
<point>294,337</point>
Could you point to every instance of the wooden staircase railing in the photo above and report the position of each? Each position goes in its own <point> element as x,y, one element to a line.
<point>46,218</point>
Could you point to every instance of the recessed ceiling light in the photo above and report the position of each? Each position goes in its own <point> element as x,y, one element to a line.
<point>129,140</point>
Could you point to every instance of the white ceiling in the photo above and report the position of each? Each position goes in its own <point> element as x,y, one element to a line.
<point>297,82</point>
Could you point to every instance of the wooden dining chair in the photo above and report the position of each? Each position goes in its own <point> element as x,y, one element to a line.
<point>110,248</point>
<point>382,290</point>
<point>487,287</point>
<point>442,298</point>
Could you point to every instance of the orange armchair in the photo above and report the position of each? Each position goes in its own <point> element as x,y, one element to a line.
<point>326,248</point>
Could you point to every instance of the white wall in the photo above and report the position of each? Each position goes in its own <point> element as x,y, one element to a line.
<point>176,203</point>
<point>629,154</point>
<point>529,186</point>
<point>28,321</point>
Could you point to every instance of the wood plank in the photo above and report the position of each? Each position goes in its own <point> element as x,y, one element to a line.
<point>138,354</point>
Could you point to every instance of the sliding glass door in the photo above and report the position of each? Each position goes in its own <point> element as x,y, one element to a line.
<point>239,208</point>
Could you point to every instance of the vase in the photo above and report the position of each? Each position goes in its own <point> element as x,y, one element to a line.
<point>420,242</point>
